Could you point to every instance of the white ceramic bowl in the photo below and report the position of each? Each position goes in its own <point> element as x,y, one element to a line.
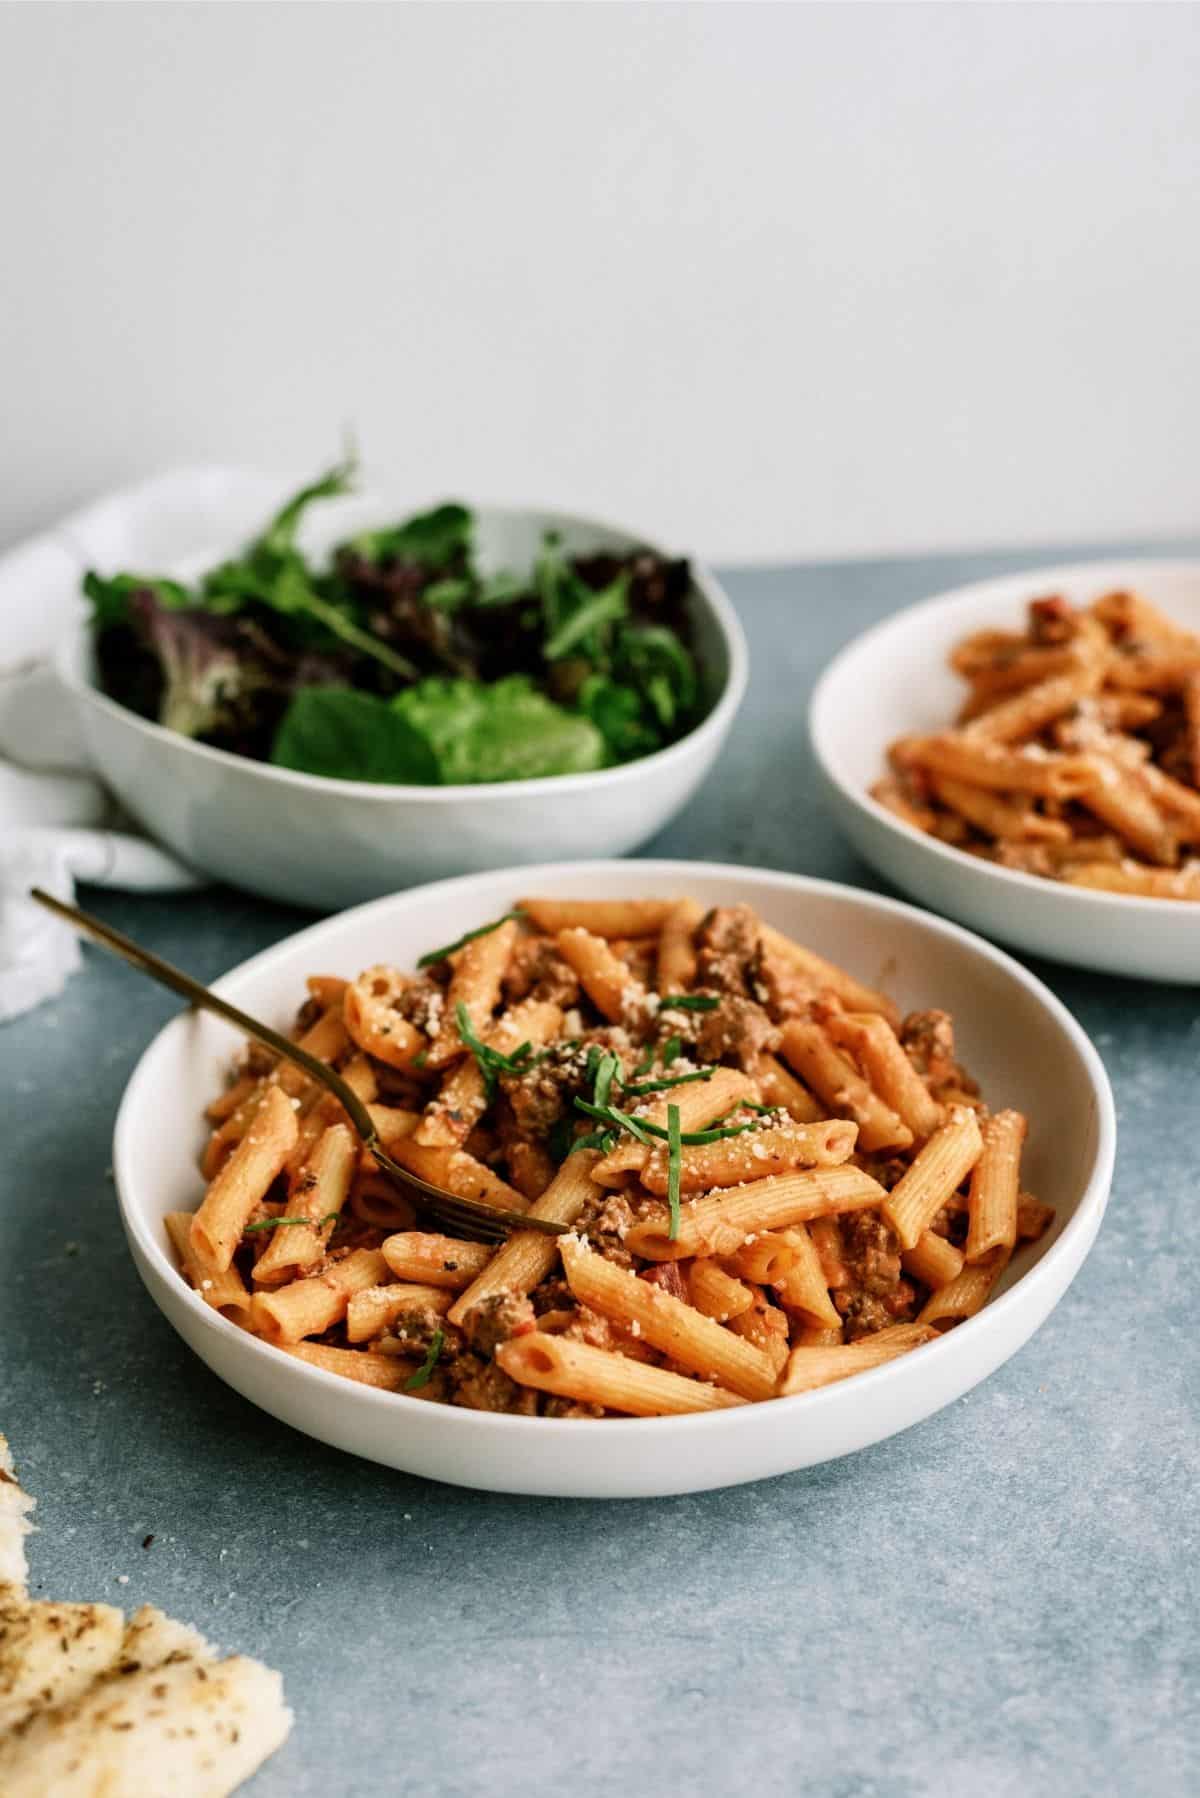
<point>1020,1042</point>
<point>327,843</point>
<point>894,681</point>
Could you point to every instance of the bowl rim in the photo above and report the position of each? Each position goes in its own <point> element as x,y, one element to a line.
<point>711,726</point>
<point>1080,1227</point>
<point>1100,902</point>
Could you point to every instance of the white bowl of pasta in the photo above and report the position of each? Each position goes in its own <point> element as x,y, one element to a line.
<point>792,1194</point>
<point>1024,754</point>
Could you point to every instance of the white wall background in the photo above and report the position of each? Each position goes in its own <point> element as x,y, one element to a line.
<point>767,281</point>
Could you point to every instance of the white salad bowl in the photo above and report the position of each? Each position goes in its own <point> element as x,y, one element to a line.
<point>311,841</point>
<point>1019,1041</point>
<point>895,681</point>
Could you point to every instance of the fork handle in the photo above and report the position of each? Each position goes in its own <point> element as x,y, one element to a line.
<point>205,999</point>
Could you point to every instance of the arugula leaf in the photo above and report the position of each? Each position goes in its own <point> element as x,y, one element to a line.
<point>501,589</point>
<point>424,1373</point>
<point>436,539</point>
<point>345,735</point>
<point>468,936</point>
<point>654,660</point>
<point>616,711</point>
<point>590,612</point>
<point>271,572</point>
<point>111,595</point>
<point>279,538</point>
<point>448,594</point>
<point>504,730</point>
<point>674,1168</point>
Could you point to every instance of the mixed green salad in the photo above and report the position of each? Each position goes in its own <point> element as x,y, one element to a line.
<point>399,660</point>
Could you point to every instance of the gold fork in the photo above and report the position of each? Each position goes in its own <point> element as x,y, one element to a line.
<point>486,1223</point>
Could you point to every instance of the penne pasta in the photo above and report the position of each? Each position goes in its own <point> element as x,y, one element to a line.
<point>877,1050</point>
<point>764,1259</point>
<point>676,966</point>
<point>809,1368</point>
<point>449,1118</point>
<point>772,1150</point>
<point>386,1372</point>
<point>475,984</point>
<point>827,976</point>
<point>995,1186</point>
<point>605,978</point>
<point>529,1255</point>
<point>431,1260</point>
<point>716,1293</point>
<point>225,1292</point>
<point>243,1181</point>
<point>942,1164</point>
<point>309,1307</point>
<point>373,1310</point>
<point>317,1195</point>
<point>721,1235</point>
<point>1034,707</point>
<point>933,1260</point>
<point>601,917</point>
<point>1077,756</point>
<point>805,1290</point>
<point>373,1022</point>
<point>1119,800</point>
<point>698,1107</point>
<point>593,1376</point>
<point>997,816</point>
<point>678,1330</point>
<point>329,990</point>
<point>720,1224</point>
<point>834,1077</point>
<point>963,1296</point>
<point>780,1087</point>
<point>459,1173</point>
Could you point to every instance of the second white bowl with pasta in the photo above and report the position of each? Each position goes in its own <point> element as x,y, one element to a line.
<point>1022,1045</point>
<point>895,681</point>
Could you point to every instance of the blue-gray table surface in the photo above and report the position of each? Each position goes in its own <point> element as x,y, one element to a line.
<point>1001,1601</point>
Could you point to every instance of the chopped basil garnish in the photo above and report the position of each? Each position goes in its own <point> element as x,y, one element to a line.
<point>661,1086</point>
<point>279,1223</point>
<point>558,1141</point>
<point>603,1140</point>
<point>606,1072</point>
<point>425,1372</point>
<point>426,961</point>
<point>491,1061</point>
<point>643,1129</point>
<point>674,1168</point>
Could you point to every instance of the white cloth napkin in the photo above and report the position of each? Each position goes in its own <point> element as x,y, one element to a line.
<point>57,823</point>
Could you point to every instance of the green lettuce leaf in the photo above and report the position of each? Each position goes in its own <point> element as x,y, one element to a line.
<point>437,539</point>
<point>505,730</point>
<point>346,735</point>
